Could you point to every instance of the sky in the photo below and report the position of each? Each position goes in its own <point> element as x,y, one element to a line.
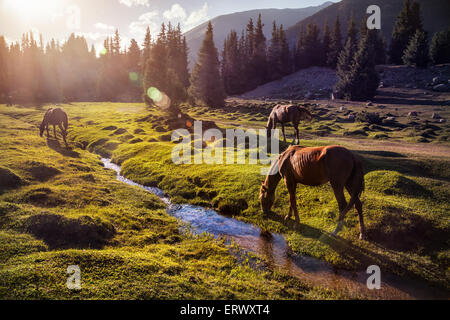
<point>97,19</point>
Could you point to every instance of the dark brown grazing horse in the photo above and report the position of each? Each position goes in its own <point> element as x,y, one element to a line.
<point>56,117</point>
<point>313,167</point>
<point>287,113</point>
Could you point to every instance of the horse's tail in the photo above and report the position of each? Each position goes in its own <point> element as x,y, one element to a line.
<point>65,121</point>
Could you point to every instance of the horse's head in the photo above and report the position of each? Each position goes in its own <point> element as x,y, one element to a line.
<point>41,128</point>
<point>307,115</point>
<point>267,198</point>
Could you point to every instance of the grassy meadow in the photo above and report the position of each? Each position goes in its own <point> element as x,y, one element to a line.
<point>60,207</point>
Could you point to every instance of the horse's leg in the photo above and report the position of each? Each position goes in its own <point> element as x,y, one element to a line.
<point>282,129</point>
<point>292,187</point>
<point>297,134</point>
<point>63,133</point>
<point>358,207</point>
<point>339,194</point>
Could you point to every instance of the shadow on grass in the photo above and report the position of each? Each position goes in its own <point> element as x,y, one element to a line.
<point>65,151</point>
<point>364,257</point>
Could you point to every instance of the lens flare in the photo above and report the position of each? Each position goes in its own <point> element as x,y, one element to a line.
<point>134,76</point>
<point>103,51</point>
<point>159,98</point>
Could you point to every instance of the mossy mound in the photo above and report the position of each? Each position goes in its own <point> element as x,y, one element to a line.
<point>61,232</point>
<point>393,183</point>
<point>8,179</point>
<point>41,171</point>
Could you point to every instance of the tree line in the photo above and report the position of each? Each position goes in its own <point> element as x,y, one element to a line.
<point>34,71</point>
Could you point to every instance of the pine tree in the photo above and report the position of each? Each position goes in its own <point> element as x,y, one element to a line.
<point>4,74</point>
<point>416,54</point>
<point>285,55</point>
<point>231,68</point>
<point>146,49</point>
<point>155,74</point>
<point>206,83</point>
<point>408,21</point>
<point>259,55</point>
<point>361,80</point>
<point>312,47</point>
<point>336,45</point>
<point>440,47</point>
<point>352,33</point>
<point>326,43</point>
<point>274,54</point>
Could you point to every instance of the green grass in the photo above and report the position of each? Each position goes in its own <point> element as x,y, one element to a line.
<point>406,209</point>
<point>60,207</point>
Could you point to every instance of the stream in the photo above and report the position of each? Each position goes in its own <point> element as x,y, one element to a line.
<point>276,252</point>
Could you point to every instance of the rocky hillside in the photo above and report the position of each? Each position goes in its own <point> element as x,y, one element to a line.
<point>318,83</point>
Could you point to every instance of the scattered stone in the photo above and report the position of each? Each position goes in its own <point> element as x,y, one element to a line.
<point>436,81</point>
<point>441,88</point>
<point>390,119</point>
<point>342,108</point>
<point>442,120</point>
<point>412,114</point>
<point>369,104</point>
<point>435,116</point>
<point>351,117</point>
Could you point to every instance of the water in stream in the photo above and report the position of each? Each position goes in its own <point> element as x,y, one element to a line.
<point>275,250</point>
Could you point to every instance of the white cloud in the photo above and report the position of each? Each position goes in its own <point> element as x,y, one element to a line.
<point>103,26</point>
<point>130,3</point>
<point>138,28</point>
<point>177,12</point>
<point>197,17</point>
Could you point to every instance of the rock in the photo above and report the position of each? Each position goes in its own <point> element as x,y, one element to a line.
<point>412,114</point>
<point>390,119</point>
<point>441,88</point>
<point>436,81</point>
<point>442,120</point>
<point>351,117</point>
<point>342,108</point>
<point>369,104</point>
<point>435,116</point>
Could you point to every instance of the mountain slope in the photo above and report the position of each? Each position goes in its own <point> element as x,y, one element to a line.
<point>238,21</point>
<point>435,14</point>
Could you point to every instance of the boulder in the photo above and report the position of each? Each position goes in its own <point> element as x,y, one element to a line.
<point>442,120</point>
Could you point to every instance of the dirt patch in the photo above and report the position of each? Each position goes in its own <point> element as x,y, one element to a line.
<point>8,179</point>
<point>60,232</point>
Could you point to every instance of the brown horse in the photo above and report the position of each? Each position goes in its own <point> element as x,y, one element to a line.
<point>287,113</point>
<point>56,117</point>
<point>316,166</point>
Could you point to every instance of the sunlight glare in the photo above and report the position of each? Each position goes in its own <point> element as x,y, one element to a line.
<point>31,8</point>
